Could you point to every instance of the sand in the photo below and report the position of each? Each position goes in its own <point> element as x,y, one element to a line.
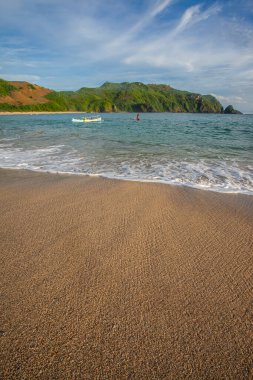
<point>39,113</point>
<point>104,279</point>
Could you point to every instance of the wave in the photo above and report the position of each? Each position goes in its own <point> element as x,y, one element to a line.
<point>216,175</point>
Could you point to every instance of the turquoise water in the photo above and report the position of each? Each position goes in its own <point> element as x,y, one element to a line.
<point>212,152</point>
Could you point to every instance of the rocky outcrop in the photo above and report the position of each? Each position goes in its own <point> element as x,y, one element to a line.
<point>230,110</point>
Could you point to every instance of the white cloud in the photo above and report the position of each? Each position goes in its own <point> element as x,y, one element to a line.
<point>230,99</point>
<point>125,40</point>
<point>194,15</point>
<point>187,18</point>
<point>20,77</point>
<point>247,75</point>
<point>154,11</point>
<point>199,49</point>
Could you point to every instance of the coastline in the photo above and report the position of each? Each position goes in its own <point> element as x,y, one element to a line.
<point>115,279</point>
<point>39,113</point>
<point>120,112</point>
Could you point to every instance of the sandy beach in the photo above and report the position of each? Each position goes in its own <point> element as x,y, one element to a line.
<point>40,113</point>
<point>104,279</point>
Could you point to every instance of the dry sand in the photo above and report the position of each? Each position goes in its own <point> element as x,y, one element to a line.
<point>39,113</point>
<point>105,279</point>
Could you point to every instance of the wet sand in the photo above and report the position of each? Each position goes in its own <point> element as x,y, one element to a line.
<point>105,279</point>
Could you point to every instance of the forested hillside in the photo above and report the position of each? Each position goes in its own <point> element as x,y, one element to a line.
<point>110,97</point>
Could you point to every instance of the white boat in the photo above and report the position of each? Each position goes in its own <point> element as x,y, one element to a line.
<point>77,120</point>
<point>87,119</point>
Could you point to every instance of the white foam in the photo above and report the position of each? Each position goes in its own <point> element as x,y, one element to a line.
<point>222,176</point>
<point>8,139</point>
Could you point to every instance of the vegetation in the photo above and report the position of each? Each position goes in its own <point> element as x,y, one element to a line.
<point>134,97</point>
<point>123,97</point>
<point>230,109</point>
<point>31,86</point>
<point>40,107</point>
<point>6,88</point>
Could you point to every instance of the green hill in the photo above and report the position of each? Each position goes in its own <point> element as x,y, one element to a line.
<point>111,97</point>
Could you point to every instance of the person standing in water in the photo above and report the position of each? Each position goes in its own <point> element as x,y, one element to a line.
<point>138,117</point>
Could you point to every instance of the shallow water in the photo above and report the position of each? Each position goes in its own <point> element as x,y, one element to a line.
<point>213,152</point>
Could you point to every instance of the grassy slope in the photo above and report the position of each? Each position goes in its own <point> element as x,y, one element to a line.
<point>6,88</point>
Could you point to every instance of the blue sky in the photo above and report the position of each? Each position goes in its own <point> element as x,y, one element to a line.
<point>201,46</point>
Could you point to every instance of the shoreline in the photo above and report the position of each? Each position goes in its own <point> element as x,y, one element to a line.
<point>147,181</point>
<point>2,113</point>
<point>40,113</point>
<point>118,279</point>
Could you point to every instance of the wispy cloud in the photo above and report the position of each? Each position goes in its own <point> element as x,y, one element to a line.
<point>193,15</point>
<point>124,42</point>
<point>196,50</point>
<point>152,12</point>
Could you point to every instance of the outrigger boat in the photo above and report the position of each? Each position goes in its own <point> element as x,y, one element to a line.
<point>87,119</point>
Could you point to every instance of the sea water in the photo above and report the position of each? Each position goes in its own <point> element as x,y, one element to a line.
<point>205,151</point>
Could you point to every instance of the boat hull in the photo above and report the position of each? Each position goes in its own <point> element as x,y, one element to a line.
<point>87,120</point>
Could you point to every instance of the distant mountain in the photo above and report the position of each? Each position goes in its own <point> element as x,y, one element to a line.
<point>110,97</point>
